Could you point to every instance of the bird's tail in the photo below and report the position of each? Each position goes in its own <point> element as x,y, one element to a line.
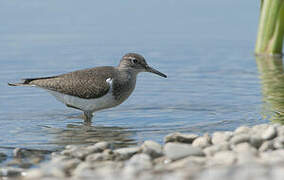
<point>25,82</point>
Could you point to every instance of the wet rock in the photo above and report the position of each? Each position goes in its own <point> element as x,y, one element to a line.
<point>19,163</point>
<point>202,142</point>
<point>95,157</point>
<point>67,164</point>
<point>104,156</point>
<point>10,172</point>
<point>81,169</point>
<point>126,153</point>
<point>176,151</point>
<point>152,148</point>
<point>179,137</point>
<point>71,147</point>
<point>81,153</point>
<point>269,133</point>
<point>211,150</point>
<point>69,150</point>
<point>241,154</point>
<point>3,157</point>
<point>20,153</point>
<point>99,147</point>
<point>49,170</point>
<point>78,152</point>
<point>221,137</point>
<point>240,138</point>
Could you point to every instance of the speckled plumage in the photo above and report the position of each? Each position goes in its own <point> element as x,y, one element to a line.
<point>87,83</point>
<point>88,89</point>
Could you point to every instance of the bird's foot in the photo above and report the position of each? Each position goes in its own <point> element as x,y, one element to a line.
<point>87,116</point>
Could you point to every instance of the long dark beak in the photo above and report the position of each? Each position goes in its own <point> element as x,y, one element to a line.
<point>152,70</point>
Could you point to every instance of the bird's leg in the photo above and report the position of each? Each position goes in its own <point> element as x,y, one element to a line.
<point>87,116</point>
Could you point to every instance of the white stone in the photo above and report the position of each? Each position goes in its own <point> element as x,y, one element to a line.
<point>211,150</point>
<point>152,148</point>
<point>269,133</point>
<point>176,151</point>
<point>223,158</point>
<point>202,142</point>
<point>242,129</point>
<point>221,137</point>
<point>180,137</point>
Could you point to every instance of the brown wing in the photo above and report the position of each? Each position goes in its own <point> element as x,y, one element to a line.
<point>88,83</point>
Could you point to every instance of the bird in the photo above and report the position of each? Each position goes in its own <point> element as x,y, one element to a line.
<point>94,89</point>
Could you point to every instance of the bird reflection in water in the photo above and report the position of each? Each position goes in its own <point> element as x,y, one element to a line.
<point>272,80</point>
<point>84,134</point>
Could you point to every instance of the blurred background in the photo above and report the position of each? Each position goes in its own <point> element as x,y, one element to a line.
<point>205,47</point>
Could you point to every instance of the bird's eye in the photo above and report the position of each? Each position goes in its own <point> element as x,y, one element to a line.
<point>134,61</point>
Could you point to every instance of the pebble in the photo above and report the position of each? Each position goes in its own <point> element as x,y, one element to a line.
<point>211,150</point>
<point>104,156</point>
<point>175,151</point>
<point>139,162</point>
<point>152,148</point>
<point>278,142</point>
<point>242,129</point>
<point>256,141</point>
<point>245,148</point>
<point>221,137</point>
<point>179,137</point>
<point>202,142</point>
<point>266,146</point>
<point>280,130</point>
<point>196,161</point>
<point>223,158</point>
<point>240,138</point>
<point>126,153</point>
<point>3,157</point>
<point>247,153</point>
<point>99,147</point>
<point>80,153</point>
<point>269,133</point>
<point>10,172</point>
<point>273,157</point>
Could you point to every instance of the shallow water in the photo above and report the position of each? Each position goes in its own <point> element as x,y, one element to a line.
<point>205,49</point>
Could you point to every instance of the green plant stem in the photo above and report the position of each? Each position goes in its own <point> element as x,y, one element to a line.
<point>271,28</point>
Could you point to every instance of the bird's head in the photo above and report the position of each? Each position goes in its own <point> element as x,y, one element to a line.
<point>137,63</point>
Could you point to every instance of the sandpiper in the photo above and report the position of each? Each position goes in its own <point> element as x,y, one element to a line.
<point>94,89</point>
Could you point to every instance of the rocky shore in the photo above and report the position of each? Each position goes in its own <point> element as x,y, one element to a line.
<point>247,153</point>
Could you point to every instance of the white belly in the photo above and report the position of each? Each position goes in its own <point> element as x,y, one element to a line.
<point>88,105</point>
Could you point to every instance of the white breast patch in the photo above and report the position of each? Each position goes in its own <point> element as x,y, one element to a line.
<point>88,105</point>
